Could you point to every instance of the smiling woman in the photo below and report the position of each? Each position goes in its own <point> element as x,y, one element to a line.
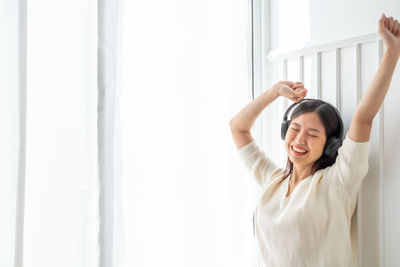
<point>316,128</point>
<point>308,224</point>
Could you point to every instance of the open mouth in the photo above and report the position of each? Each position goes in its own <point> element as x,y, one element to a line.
<point>298,152</point>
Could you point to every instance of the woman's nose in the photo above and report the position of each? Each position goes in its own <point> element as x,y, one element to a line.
<point>300,138</point>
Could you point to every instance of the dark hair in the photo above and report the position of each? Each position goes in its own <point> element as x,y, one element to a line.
<point>333,124</point>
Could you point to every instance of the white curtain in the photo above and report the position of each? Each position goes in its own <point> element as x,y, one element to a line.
<point>60,225</point>
<point>48,155</point>
<point>185,73</point>
<point>9,137</point>
<point>115,142</point>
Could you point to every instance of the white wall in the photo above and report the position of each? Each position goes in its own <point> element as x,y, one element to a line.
<point>311,22</point>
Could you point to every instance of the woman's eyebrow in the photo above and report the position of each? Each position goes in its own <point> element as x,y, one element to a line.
<point>311,129</point>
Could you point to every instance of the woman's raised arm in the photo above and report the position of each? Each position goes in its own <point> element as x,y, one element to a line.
<point>361,124</point>
<point>242,122</point>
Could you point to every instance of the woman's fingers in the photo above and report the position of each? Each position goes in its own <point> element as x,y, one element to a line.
<point>382,21</point>
<point>288,83</point>
<point>296,83</point>
<point>292,84</point>
<point>300,92</point>
<point>294,91</point>
<point>299,95</point>
<point>389,31</point>
<point>387,23</point>
<point>298,99</point>
<point>297,86</point>
<point>390,24</point>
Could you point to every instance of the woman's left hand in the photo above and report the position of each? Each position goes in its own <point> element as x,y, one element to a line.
<point>389,30</point>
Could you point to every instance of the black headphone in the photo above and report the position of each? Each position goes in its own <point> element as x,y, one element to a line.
<point>332,144</point>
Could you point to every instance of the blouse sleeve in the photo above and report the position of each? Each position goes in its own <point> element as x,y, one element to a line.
<point>351,166</point>
<point>256,163</point>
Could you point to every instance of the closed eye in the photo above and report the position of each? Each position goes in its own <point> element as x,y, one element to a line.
<point>299,130</point>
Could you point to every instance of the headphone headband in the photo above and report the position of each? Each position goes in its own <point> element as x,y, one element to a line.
<point>293,105</point>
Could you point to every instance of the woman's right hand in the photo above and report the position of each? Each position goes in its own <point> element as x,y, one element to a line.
<point>294,91</point>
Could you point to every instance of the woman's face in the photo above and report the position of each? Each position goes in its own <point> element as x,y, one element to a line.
<point>306,133</point>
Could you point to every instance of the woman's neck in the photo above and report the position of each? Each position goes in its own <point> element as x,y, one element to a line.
<point>299,173</point>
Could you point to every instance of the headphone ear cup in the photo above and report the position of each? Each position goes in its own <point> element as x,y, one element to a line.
<point>332,146</point>
<point>284,128</point>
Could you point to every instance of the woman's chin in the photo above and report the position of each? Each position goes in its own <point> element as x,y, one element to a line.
<point>297,160</point>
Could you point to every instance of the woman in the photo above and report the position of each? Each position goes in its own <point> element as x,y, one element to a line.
<point>305,220</point>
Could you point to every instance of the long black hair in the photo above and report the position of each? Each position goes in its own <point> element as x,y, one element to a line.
<point>333,124</point>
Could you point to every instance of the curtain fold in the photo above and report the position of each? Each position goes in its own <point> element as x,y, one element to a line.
<point>10,141</point>
<point>22,119</point>
<point>107,74</point>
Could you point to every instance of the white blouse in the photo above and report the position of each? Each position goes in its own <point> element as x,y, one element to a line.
<point>312,226</point>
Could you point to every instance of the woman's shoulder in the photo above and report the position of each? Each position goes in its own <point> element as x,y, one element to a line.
<point>356,144</point>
